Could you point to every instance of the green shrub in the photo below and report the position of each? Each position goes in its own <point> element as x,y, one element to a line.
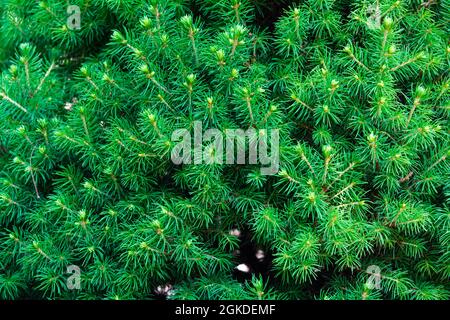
<point>359,91</point>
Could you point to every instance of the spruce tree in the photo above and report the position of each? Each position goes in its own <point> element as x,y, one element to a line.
<point>359,91</point>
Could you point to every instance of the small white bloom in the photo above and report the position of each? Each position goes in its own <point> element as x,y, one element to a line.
<point>243,268</point>
<point>68,106</point>
<point>166,290</point>
<point>260,255</point>
<point>235,232</point>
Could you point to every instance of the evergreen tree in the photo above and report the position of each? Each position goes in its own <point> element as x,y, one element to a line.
<point>359,91</point>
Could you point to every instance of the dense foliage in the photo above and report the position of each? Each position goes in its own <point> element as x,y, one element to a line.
<point>358,89</point>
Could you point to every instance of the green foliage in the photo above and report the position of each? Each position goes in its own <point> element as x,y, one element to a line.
<point>86,176</point>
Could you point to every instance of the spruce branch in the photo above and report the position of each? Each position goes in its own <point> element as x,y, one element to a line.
<point>15,103</point>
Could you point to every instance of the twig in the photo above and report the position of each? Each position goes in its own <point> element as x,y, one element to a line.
<point>18,105</point>
<point>52,66</point>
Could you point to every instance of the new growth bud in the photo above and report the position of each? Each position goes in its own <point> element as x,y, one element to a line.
<point>387,24</point>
